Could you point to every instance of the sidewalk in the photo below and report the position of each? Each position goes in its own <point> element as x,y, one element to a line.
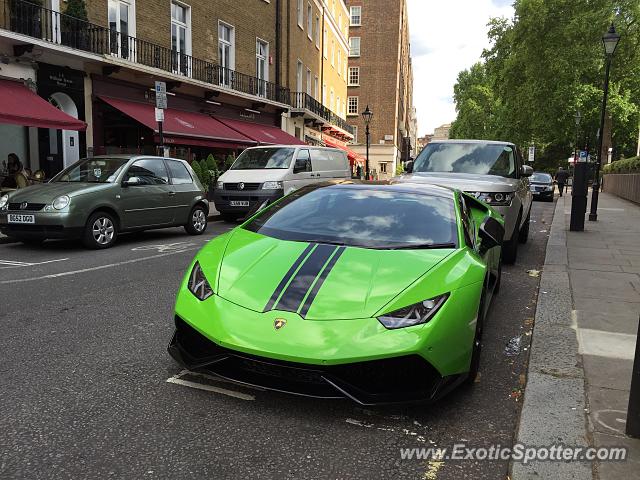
<point>584,341</point>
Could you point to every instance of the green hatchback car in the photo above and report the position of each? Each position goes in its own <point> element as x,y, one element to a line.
<point>97,198</point>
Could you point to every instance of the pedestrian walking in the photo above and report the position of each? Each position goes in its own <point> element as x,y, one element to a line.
<point>562,176</point>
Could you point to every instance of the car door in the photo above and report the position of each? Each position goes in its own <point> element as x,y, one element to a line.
<point>185,190</point>
<point>149,202</point>
<point>303,173</point>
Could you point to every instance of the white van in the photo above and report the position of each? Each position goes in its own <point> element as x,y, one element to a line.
<point>267,173</point>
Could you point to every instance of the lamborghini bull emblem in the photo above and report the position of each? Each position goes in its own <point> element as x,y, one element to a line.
<point>278,323</point>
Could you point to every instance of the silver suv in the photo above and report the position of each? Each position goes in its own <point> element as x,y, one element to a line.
<point>492,171</point>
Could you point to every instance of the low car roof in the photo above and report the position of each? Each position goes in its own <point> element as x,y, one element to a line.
<point>486,142</point>
<point>406,187</point>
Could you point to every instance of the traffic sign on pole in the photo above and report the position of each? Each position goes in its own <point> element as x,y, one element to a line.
<point>161,95</point>
<point>532,153</point>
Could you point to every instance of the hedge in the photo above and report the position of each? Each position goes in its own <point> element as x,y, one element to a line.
<point>627,165</point>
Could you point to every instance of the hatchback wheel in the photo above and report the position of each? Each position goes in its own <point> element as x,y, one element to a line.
<point>197,221</point>
<point>101,231</point>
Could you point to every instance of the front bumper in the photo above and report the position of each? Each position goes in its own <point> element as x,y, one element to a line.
<point>47,225</point>
<point>408,378</point>
<point>223,198</point>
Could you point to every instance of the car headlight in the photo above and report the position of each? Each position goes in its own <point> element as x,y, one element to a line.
<point>198,284</point>
<point>61,202</point>
<point>495,199</point>
<point>413,314</point>
<point>272,186</point>
<point>4,201</point>
<point>220,185</point>
<point>549,188</point>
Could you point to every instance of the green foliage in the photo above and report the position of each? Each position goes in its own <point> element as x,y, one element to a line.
<point>628,165</point>
<point>542,66</point>
<point>229,161</point>
<point>399,169</point>
<point>77,9</point>
<point>205,179</point>
<point>211,163</point>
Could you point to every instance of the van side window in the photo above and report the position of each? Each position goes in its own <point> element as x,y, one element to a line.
<point>303,156</point>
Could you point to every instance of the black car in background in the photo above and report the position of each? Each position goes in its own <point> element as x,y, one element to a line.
<point>542,186</point>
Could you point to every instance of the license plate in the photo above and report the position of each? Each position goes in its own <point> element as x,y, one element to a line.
<point>16,218</point>
<point>239,203</point>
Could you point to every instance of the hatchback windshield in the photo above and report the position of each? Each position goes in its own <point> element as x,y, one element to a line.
<point>361,216</point>
<point>478,158</point>
<point>92,170</point>
<point>259,158</point>
<point>541,178</point>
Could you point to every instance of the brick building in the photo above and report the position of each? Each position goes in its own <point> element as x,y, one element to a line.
<point>381,76</point>
<point>227,65</point>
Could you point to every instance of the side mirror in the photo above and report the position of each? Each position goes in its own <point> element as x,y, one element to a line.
<point>408,166</point>
<point>132,182</point>
<point>491,233</point>
<point>300,165</point>
<point>526,171</point>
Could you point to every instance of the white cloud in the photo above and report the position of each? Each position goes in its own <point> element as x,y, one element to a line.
<point>446,37</point>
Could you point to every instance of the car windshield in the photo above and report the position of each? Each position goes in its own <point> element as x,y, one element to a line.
<point>259,158</point>
<point>477,158</point>
<point>92,170</point>
<point>361,216</point>
<point>541,178</point>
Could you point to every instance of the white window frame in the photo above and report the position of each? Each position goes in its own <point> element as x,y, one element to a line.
<point>324,94</point>
<point>316,87</point>
<point>357,75</point>
<point>300,7</point>
<point>309,21</point>
<point>227,77</point>
<point>187,27</point>
<point>331,100</point>
<point>325,44</point>
<point>309,80</point>
<point>350,103</point>
<point>333,53</point>
<point>339,62</point>
<point>131,26</point>
<point>358,15</point>
<point>262,86</point>
<point>317,32</point>
<point>338,106</point>
<point>355,134</point>
<point>352,52</point>
<point>299,73</point>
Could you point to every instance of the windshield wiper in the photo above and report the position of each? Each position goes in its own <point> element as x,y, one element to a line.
<point>424,246</point>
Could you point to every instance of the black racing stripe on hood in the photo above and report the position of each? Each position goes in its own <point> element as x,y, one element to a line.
<point>299,286</point>
<point>285,280</point>
<point>316,288</point>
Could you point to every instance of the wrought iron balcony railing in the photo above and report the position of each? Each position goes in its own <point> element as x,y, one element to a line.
<point>304,101</point>
<point>30,19</point>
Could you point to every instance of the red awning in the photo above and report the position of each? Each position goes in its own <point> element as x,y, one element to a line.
<point>20,106</point>
<point>351,155</point>
<point>180,127</point>
<point>263,134</point>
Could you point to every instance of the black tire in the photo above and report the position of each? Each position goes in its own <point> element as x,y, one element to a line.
<point>523,236</point>
<point>510,247</point>
<point>197,223</point>
<point>496,287</point>
<point>101,231</point>
<point>474,366</point>
<point>229,217</point>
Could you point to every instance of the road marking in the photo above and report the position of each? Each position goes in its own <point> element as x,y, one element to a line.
<point>13,263</point>
<point>91,269</point>
<point>209,388</point>
<point>165,247</point>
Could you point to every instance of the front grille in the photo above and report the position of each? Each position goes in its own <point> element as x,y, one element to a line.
<point>31,207</point>
<point>247,186</point>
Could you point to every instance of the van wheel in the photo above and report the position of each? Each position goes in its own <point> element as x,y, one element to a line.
<point>197,223</point>
<point>100,231</point>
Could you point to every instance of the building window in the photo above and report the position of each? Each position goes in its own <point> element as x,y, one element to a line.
<point>299,76</point>
<point>226,52</point>
<point>325,46</point>
<point>339,62</point>
<point>180,37</point>
<point>333,53</point>
<point>262,66</point>
<point>317,31</point>
<point>354,76</point>
<point>355,134</point>
<point>356,16</point>
<point>309,22</point>
<point>352,106</point>
<point>122,25</point>
<point>308,81</point>
<point>340,22</point>
<point>324,94</point>
<point>354,46</point>
<point>338,106</point>
<point>331,98</point>
<point>383,167</point>
<point>316,87</point>
<point>300,13</point>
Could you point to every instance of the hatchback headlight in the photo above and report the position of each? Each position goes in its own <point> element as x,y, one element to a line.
<point>198,284</point>
<point>413,314</point>
<point>4,201</point>
<point>272,186</point>
<point>495,199</point>
<point>61,202</point>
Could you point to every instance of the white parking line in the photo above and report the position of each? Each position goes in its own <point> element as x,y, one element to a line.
<point>13,263</point>
<point>209,388</point>
<point>91,269</point>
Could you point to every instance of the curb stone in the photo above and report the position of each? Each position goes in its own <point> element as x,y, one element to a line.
<point>553,410</point>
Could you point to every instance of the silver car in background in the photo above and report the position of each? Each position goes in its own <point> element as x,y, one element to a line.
<point>492,171</point>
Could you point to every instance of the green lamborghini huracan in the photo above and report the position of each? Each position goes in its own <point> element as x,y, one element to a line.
<point>370,291</point>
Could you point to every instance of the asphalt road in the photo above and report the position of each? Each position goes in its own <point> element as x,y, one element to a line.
<point>84,390</point>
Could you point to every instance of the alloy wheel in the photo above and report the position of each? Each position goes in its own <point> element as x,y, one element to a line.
<point>199,220</point>
<point>103,230</point>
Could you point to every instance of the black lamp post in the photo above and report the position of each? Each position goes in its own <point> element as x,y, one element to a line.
<point>366,115</point>
<point>610,42</point>
<point>576,149</point>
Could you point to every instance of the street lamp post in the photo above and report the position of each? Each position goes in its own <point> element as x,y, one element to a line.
<point>610,42</point>
<point>576,149</point>
<point>366,115</point>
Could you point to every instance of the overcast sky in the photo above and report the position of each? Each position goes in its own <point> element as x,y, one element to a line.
<point>447,36</point>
